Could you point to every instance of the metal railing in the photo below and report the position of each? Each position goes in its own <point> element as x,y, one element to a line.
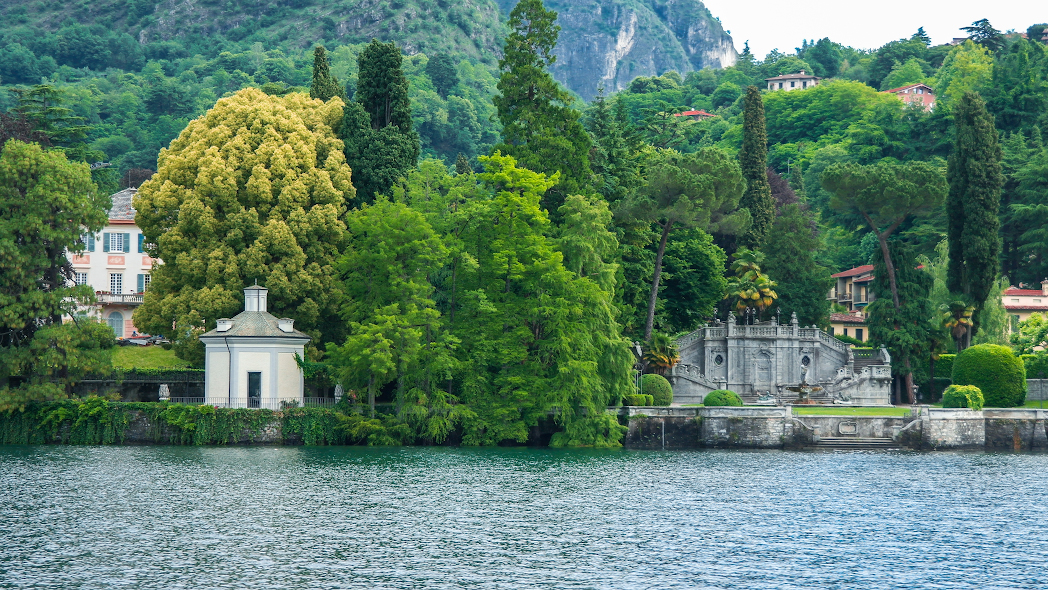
<point>129,299</point>
<point>256,403</point>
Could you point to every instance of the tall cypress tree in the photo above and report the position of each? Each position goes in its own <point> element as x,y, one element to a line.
<point>615,166</point>
<point>539,127</point>
<point>381,144</point>
<point>973,225</point>
<point>754,160</point>
<point>324,85</point>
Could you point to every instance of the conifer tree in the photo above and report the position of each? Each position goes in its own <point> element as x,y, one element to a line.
<point>540,129</point>
<point>324,85</point>
<point>614,164</point>
<point>462,165</point>
<point>381,144</point>
<point>754,161</point>
<point>973,225</point>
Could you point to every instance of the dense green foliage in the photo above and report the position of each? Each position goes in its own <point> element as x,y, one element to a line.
<point>999,374</point>
<point>639,399</point>
<point>658,388</point>
<point>1036,365</point>
<point>722,397</point>
<point>753,159</point>
<point>963,396</point>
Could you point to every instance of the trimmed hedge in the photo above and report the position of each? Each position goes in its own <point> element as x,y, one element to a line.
<point>1035,364</point>
<point>998,373</point>
<point>658,388</point>
<point>638,399</point>
<point>963,396</point>
<point>722,397</point>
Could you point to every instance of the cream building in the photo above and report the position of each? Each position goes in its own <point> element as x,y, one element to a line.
<point>1022,303</point>
<point>115,264</point>
<point>798,81</point>
<point>249,361</point>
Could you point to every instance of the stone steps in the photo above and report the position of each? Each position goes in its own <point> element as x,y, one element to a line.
<point>856,443</point>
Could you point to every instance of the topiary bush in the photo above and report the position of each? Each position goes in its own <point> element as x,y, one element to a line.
<point>998,373</point>
<point>722,397</point>
<point>963,396</point>
<point>638,399</point>
<point>658,388</point>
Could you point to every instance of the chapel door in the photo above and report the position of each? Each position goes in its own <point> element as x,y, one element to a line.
<point>254,389</point>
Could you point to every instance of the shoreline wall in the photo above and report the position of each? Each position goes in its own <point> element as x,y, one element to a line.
<point>676,428</point>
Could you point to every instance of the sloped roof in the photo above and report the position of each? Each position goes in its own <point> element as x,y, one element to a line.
<point>910,86</point>
<point>1024,292</point>
<point>847,318</point>
<point>255,324</point>
<point>1023,307</point>
<point>122,209</point>
<point>698,113</point>
<point>798,76</point>
<point>858,270</point>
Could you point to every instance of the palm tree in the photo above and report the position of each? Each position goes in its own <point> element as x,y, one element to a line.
<point>661,354</point>
<point>751,288</point>
<point>957,318</point>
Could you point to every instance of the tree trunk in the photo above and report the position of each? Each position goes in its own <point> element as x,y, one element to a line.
<point>654,297</point>
<point>931,379</point>
<point>371,395</point>
<point>909,382</point>
<point>883,239</point>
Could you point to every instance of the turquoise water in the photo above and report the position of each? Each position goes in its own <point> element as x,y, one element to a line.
<point>194,518</point>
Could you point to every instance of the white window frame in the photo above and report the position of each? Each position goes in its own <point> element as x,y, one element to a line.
<point>116,242</point>
<point>116,283</point>
<point>80,278</point>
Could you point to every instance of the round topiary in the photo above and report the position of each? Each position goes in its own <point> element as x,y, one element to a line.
<point>998,373</point>
<point>962,396</point>
<point>658,388</point>
<point>722,397</point>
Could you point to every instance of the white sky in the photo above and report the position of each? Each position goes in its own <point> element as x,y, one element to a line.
<point>770,24</point>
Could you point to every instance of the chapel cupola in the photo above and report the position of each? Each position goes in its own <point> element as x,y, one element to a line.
<point>255,298</point>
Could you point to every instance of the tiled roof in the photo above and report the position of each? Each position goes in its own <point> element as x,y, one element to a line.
<point>902,88</point>
<point>122,209</point>
<point>1024,292</point>
<point>699,113</point>
<point>868,279</point>
<point>799,76</point>
<point>858,270</point>
<point>847,318</point>
<point>1021,307</point>
<point>256,324</point>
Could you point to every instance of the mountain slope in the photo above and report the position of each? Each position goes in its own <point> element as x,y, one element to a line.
<point>610,42</point>
<point>603,42</point>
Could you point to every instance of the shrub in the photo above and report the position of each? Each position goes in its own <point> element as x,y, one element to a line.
<point>998,373</point>
<point>658,388</point>
<point>944,366</point>
<point>638,399</point>
<point>962,396</point>
<point>1036,365</point>
<point>722,397</point>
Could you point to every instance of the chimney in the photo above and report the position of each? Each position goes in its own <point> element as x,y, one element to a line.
<point>802,72</point>
<point>255,298</point>
<point>224,325</point>
<point>286,324</point>
<point>1044,287</point>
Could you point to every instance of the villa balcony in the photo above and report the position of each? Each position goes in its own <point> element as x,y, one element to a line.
<point>119,299</point>
<point>844,297</point>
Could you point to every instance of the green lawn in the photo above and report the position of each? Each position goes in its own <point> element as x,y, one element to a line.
<point>146,357</point>
<point>847,411</point>
<point>1037,405</point>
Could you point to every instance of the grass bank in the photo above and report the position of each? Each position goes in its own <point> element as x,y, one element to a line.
<point>848,411</point>
<point>146,357</point>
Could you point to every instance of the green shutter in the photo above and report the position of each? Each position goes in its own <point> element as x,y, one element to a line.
<point>141,239</point>
<point>90,242</point>
<point>105,242</point>
<point>141,283</point>
<point>127,243</point>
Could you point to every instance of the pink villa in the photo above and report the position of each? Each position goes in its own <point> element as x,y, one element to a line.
<point>115,264</point>
<point>921,94</point>
<point>1022,303</point>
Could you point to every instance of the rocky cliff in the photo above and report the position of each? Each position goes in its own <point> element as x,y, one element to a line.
<point>610,42</point>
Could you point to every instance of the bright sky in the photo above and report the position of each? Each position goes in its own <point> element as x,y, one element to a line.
<point>770,24</point>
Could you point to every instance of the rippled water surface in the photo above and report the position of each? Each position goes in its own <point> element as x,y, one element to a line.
<point>193,518</point>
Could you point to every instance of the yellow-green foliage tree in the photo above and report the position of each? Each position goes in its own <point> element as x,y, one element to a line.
<point>255,189</point>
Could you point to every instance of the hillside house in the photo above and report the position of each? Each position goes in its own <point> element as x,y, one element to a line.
<point>921,94</point>
<point>698,115</point>
<point>1022,303</point>
<point>798,81</point>
<point>116,265</point>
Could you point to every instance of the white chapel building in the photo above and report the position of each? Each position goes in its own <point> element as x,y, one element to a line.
<point>249,361</point>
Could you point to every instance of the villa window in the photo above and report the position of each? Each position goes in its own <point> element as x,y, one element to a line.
<point>116,242</point>
<point>116,283</point>
<point>793,84</point>
<point>858,333</point>
<point>143,282</point>
<point>80,278</point>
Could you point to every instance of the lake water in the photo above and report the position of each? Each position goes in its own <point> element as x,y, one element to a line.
<point>304,518</point>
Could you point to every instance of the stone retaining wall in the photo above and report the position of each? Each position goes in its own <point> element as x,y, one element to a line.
<point>777,428</point>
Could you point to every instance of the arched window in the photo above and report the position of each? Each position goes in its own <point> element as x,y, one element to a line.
<point>116,322</point>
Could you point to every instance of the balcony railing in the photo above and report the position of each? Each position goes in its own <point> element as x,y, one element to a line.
<point>845,296</point>
<point>128,299</point>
